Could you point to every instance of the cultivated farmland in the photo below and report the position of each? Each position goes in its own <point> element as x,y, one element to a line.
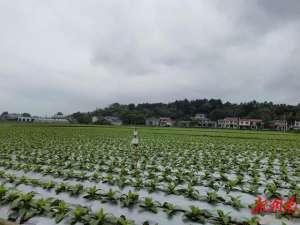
<point>87,175</point>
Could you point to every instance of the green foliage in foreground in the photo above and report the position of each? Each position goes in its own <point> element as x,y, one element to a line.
<point>204,166</point>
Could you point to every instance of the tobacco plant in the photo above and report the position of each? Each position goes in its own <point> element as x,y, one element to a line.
<point>59,210</point>
<point>198,215</point>
<point>150,205</point>
<point>129,199</point>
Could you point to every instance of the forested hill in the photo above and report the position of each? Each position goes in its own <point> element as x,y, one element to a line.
<point>184,109</point>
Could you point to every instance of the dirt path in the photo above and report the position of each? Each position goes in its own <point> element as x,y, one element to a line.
<point>5,222</point>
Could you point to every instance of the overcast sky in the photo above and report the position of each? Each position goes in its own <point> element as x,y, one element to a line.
<point>76,55</point>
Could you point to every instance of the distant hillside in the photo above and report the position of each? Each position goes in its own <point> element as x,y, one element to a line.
<point>184,109</point>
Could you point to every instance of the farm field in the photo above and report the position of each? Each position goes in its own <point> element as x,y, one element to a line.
<point>87,175</point>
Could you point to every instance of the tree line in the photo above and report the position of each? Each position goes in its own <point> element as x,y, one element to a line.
<point>184,109</point>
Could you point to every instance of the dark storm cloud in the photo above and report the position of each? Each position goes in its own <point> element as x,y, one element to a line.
<point>58,56</point>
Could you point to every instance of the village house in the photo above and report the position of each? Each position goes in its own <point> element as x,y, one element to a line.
<point>229,122</point>
<point>204,122</point>
<point>58,115</point>
<point>18,117</point>
<point>280,125</point>
<point>166,122</point>
<point>201,120</point>
<point>252,124</point>
<point>95,119</point>
<point>221,123</point>
<point>245,123</point>
<point>296,125</point>
<point>25,119</point>
<point>162,122</point>
<point>5,116</point>
<point>56,118</point>
<point>184,123</point>
<point>207,123</point>
<point>152,122</point>
<point>114,120</point>
<point>199,116</point>
<point>40,119</point>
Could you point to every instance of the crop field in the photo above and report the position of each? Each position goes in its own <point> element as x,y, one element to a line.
<point>88,175</point>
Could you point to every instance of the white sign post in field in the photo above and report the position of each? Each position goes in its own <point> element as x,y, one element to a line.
<point>135,145</point>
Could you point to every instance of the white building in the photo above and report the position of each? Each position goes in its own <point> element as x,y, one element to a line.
<point>58,115</point>
<point>221,123</point>
<point>281,125</point>
<point>57,118</point>
<point>95,119</point>
<point>19,117</point>
<point>200,116</point>
<point>162,122</point>
<point>202,121</point>
<point>207,123</point>
<point>245,123</point>
<point>38,119</point>
<point>229,122</point>
<point>166,122</point>
<point>25,119</point>
<point>296,125</point>
<point>183,123</point>
<point>10,116</point>
<point>152,122</point>
<point>114,120</point>
<point>252,124</point>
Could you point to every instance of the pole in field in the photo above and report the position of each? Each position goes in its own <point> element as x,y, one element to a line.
<point>135,145</point>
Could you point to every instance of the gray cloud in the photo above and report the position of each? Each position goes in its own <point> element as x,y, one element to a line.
<point>62,56</point>
<point>289,9</point>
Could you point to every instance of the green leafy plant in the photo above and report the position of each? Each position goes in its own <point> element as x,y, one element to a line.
<point>171,188</point>
<point>191,192</point>
<point>124,221</point>
<point>101,218</point>
<point>21,208</point>
<point>78,215</point>
<point>170,209</point>
<point>223,218</point>
<point>230,185</point>
<point>271,191</point>
<point>41,205</point>
<point>197,215</point>
<point>62,187</point>
<point>92,193</point>
<point>213,184</point>
<point>236,202</point>
<point>152,185</point>
<point>75,190</point>
<point>3,192</point>
<point>212,197</point>
<point>129,199</point>
<point>59,210</point>
<point>252,221</point>
<point>150,205</point>
<point>48,186</point>
<point>110,196</point>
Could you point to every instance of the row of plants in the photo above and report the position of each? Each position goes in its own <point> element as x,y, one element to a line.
<point>129,199</point>
<point>168,175</point>
<point>171,187</point>
<point>176,164</point>
<point>115,147</point>
<point>111,164</point>
<point>24,206</point>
